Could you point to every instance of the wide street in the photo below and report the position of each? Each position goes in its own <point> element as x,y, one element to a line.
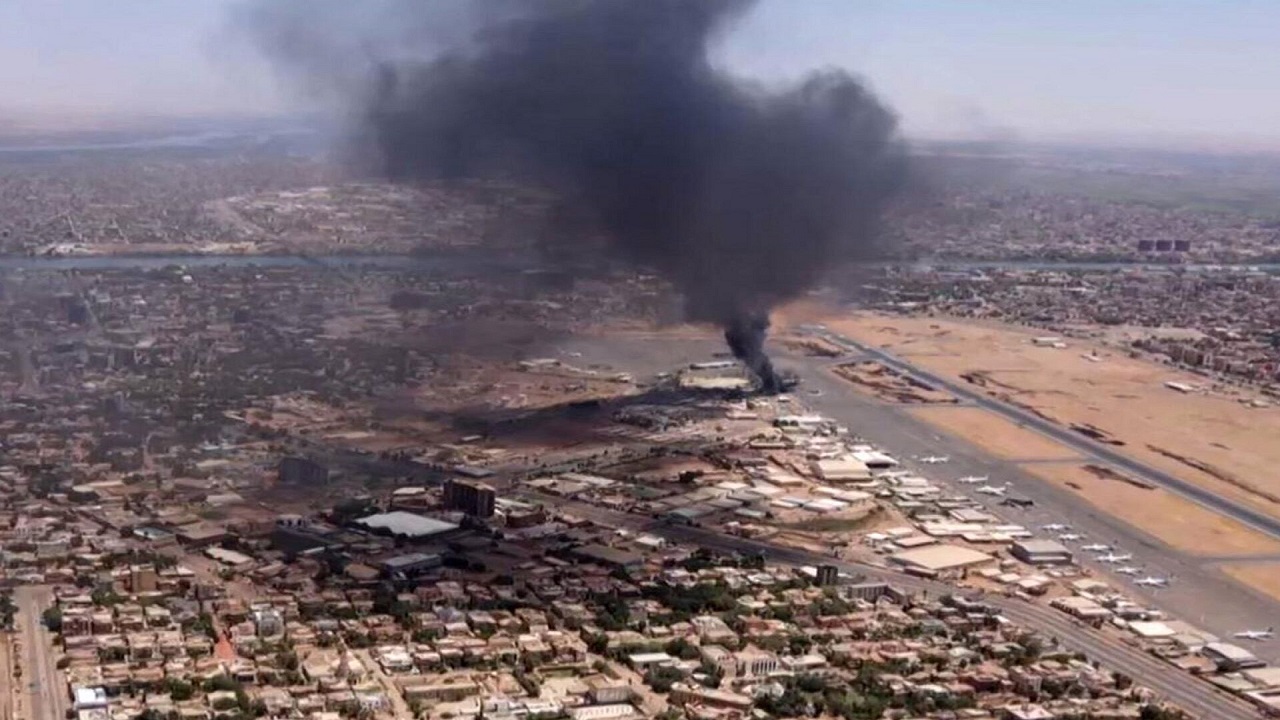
<point>45,697</point>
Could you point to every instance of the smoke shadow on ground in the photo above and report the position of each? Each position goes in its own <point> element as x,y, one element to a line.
<point>618,418</point>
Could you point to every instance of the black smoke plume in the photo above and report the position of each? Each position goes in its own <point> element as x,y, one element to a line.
<point>740,195</point>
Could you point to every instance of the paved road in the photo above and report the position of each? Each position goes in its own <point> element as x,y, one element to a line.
<point>46,691</point>
<point>9,690</point>
<point>1224,506</point>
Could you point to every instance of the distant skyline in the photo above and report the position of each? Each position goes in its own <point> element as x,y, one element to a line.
<point>1164,72</point>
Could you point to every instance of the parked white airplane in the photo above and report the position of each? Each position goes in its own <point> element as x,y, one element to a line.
<point>1055,527</point>
<point>973,479</point>
<point>1128,570</point>
<point>1255,634</point>
<point>934,459</point>
<point>1152,581</point>
<point>1114,558</point>
<point>1068,537</point>
<point>992,489</point>
<point>1096,547</point>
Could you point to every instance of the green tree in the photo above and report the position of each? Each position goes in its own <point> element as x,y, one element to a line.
<point>598,643</point>
<point>204,624</point>
<point>662,678</point>
<point>682,649</point>
<point>52,618</point>
<point>7,610</point>
<point>221,683</point>
<point>180,690</point>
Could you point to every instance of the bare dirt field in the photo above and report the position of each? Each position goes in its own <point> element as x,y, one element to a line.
<point>1263,577</point>
<point>993,433</point>
<point>1211,439</point>
<point>887,384</point>
<point>1179,523</point>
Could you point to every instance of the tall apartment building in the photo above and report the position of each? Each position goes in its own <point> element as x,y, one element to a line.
<point>471,497</point>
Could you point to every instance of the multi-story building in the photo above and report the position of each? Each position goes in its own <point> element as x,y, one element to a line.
<point>471,497</point>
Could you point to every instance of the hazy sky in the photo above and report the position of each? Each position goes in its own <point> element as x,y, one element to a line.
<point>950,67</point>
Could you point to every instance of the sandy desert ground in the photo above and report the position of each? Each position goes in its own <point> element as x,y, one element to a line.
<point>1179,523</point>
<point>993,433</point>
<point>1263,577</point>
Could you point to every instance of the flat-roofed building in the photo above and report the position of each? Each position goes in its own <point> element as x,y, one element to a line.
<point>1042,552</point>
<point>202,535</point>
<point>754,662</point>
<point>610,557</point>
<point>841,470</point>
<point>406,524</point>
<point>1230,657</point>
<point>682,694</point>
<point>646,660</point>
<point>605,690</point>
<point>411,564</point>
<point>942,558</point>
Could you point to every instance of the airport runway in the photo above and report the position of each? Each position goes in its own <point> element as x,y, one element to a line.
<point>1066,436</point>
<point>1199,592</point>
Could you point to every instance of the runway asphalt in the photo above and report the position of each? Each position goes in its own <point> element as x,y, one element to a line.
<point>1221,505</point>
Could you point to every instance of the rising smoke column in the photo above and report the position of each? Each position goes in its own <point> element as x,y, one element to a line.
<point>741,196</point>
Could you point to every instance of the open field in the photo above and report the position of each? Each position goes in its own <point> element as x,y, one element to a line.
<point>1263,577</point>
<point>1210,439</point>
<point>1179,523</point>
<point>993,433</point>
<point>887,384</point>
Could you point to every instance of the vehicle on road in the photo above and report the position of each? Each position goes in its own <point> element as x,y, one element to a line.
<point>1096,547</point>
<point>1152,581</point>
<point>1055,527</point>
<point>1070,537</point>
<point>974,479</point>
<point>935,459</point>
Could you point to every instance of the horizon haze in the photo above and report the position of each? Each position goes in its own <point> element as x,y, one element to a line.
<point>1177,73</point>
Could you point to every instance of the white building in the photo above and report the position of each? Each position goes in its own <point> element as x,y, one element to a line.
<point>755,663</point>
<point>603,712</point>
<point>268,622</point>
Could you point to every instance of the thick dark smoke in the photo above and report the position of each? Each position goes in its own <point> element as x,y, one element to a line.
<point>741,196</point>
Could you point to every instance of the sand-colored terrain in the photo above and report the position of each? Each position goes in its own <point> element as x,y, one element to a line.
<point>1211,439</point>
<point>993,433</point>
<point>885,383</point>
<point>1263,577</point>
<point>1179,523</point>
